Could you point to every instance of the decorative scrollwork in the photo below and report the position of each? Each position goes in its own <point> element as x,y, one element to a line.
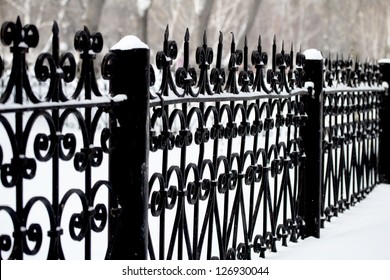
<point>55,145</point>
<point>236,58</point>
<point>246,76</point>
<point>350,126</point>
<point>61,67</point>
<point>221,181</point>
<point>217,75</point>
<point>88,45</point>
<point>299,73</point>
<point>283,61</point>
<point>19,168</point>
<point>204,58</point>
<point>259,60</point>
<point>164,61</point>
<point>274,76</point>
<point>186,76</point>
<point>22,38</point>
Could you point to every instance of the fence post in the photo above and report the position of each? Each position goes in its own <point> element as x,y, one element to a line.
<point>312,135</point>
<point>128,67</point>
<point>384,115</point>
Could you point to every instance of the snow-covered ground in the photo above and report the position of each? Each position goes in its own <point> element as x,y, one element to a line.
<point>361,233</point>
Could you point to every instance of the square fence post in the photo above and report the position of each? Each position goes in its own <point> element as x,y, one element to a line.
<point>312,135</point>
<point>384,117</point>
<point>128,67</point>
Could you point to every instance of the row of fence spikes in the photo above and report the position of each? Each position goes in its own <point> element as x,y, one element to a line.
<point>96,46</point>
<point>219,48</point>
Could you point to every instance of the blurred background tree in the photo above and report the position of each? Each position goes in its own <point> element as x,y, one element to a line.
<point>351,27</point>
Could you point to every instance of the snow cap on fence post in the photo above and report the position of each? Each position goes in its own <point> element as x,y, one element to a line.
<point>312,135</point>
<point>384,114</point>
<point>128,70</point>
<point>129,42</point>
<point>313,54</point>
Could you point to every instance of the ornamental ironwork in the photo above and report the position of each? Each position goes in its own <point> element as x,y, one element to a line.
<point>177,161</point>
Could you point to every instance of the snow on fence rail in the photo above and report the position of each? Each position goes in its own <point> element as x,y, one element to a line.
<point>204,163</point>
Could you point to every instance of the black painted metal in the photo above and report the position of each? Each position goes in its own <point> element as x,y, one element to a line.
<point>130,150</point>
<point>19,119</point>
<point>218,162</point>
<point>212,162</point>
<point>352,100</point>
<point>384,136</point>
<point>312,146</point>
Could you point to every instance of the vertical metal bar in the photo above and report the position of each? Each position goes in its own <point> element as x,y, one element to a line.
<point>312,135</point>
<point>56,154</point>
<point>384,114</point>
<point>19,59</point>
<point>129,159</point>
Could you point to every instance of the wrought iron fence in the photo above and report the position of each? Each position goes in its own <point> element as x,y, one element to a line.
<point>230,162</point>
<point>353,99</point>
<point>34,131</point>
<point>207,162</point>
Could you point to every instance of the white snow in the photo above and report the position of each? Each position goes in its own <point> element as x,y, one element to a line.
<point>130,42</point>
<point>199,6</point>
<point>360,233</point>
<point>384,61</point>
<point>119,98</point>
<point>142,6</point>
<point>308,85</point>
<point>313,54</point>
<point>23,45</point>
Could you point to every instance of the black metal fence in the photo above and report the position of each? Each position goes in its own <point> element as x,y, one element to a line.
<point>205,163</point>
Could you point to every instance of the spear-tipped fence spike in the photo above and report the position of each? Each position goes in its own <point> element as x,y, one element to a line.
<point>86,30</point>
<point>55,41</point>
<point>55,28</point>
<point>187,36</point>
<point>219,53</point>
<point>166,33</point>
<point>259,45</point>
<point>233,45</point>
<point>18,22</point>
<point>205,38</point>
<point>282,45</point>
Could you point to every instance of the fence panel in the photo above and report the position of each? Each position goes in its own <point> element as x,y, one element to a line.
<point>352,100</point>
<point>226,163</point>
<point>52,143</point>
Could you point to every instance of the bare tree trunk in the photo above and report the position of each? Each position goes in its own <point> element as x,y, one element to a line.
<point>143,7</point>
<point>93,14</point>
<point>203,11</point>
<point>2,11</point>
<point>60,16</point>
<point>247,24</point>
<point>142,22</point>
